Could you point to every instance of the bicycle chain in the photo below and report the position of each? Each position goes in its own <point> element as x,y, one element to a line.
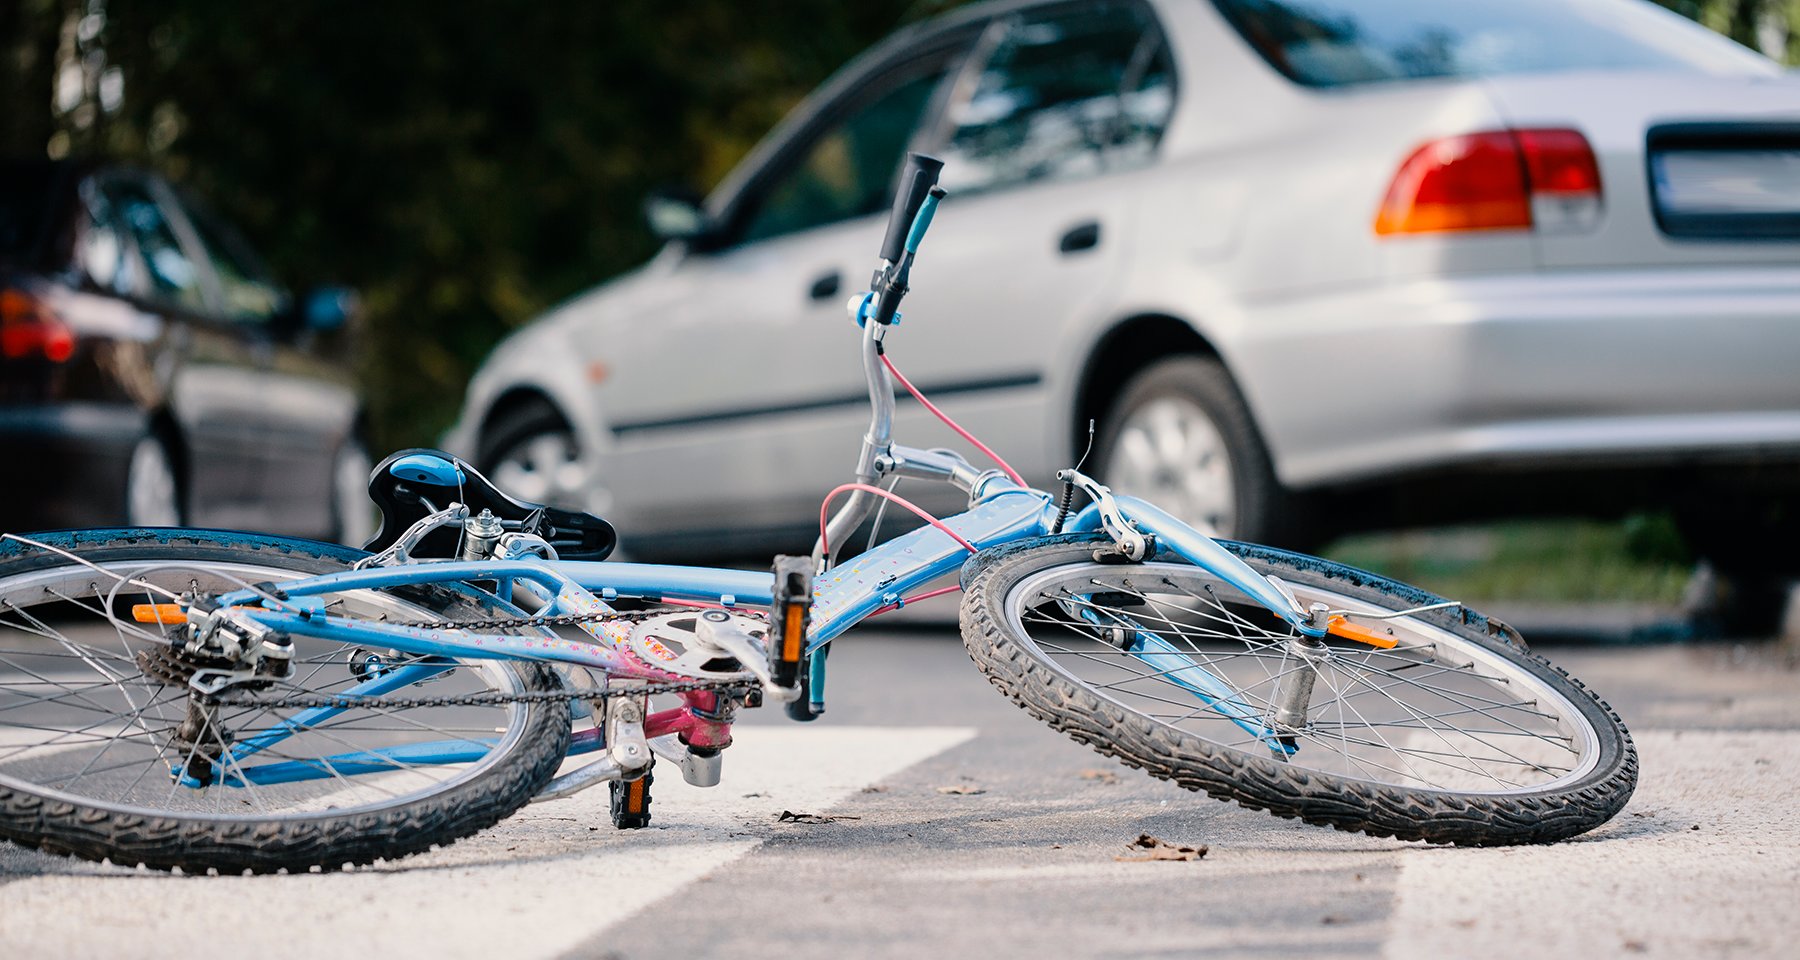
<point>340,701</point>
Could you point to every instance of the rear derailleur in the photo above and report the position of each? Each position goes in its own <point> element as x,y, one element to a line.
<point>213,651</point>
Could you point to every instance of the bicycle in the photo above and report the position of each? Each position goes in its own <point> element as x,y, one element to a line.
<point>233,701</point>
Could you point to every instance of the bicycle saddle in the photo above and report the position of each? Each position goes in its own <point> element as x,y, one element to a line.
<point>412,484</point>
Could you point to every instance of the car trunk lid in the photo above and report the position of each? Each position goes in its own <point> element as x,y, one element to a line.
<point>1696,169</point>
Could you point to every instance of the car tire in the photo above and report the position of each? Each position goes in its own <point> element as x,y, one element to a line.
<point>1180,436</point>
<point>354,518</point>
<point>1743,589</point>
<point>152,486</point>
<point>531,452</point>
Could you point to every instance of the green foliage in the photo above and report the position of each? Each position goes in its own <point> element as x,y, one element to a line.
<point>1641,560</point>
<point>465,164</point>
<point>1772,26</point>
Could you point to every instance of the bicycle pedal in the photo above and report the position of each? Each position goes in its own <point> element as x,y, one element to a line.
<point>631,803</point>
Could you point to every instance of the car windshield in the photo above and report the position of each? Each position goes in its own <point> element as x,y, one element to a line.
<point>25,190</point>
<point>1332,43</point>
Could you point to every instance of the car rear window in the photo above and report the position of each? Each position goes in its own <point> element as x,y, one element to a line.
<point>25,192</point>
<point>1334,43</point>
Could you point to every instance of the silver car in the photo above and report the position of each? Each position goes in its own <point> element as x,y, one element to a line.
<point>1306,264</point>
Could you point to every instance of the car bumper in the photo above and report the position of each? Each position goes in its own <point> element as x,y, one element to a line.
<point>65,464</point>
<point>1623,366</point>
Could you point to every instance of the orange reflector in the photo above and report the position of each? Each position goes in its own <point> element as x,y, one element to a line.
<point>793,633</point>
<point>1342,627</point>
<point>158,613</point>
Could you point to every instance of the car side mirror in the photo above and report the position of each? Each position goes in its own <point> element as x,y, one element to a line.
<point>677,215</point>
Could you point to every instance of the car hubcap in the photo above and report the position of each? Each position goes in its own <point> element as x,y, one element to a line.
<point>151,494</point>
<point>1170,453</point>
<point>545,469</point>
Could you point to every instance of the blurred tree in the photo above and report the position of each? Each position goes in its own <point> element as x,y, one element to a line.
<point>1772,26</point>
<point>463,163</point>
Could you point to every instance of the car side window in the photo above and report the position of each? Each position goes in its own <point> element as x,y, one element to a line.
<point>247,293</point>
<point>102,252</point>
<point>848,170</point>
<point>1063,96</point>
<point>173,275</point>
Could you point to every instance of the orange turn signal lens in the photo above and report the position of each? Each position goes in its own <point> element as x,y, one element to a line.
<point>1341,627</point>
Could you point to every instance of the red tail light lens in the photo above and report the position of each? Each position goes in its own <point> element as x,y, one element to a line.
<point>1474,182</point>
<point>1495,180</point>
<point>1559,161</point>
<point>28,328</point>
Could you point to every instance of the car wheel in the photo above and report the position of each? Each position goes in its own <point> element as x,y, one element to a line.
<point>531,453</point>
<point>1180,436</point>
<point>353,514</point>
<point>1747,581</point>
<point>152,490</point>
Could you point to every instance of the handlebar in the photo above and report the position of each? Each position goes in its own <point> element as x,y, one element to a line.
<point>920,176</point>
<point>914,205</point>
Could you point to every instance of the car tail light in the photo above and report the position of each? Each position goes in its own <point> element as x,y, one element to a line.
<point>28,328</point>
<point>1495,180</point>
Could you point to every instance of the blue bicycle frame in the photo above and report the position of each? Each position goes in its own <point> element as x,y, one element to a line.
<point>845,592</point>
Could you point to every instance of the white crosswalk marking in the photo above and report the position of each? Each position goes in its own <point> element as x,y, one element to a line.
<point>1699,864</point>
<point>540,883</point>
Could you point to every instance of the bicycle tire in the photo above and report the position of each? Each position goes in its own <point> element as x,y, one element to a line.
<point>125,830</point>
<point>1035,673</point>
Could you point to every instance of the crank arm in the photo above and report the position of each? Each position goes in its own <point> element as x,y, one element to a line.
<point>701,771</point>
<point>716,630</point>
<point>603,770</point>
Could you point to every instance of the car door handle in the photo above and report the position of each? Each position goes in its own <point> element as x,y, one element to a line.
<point>826,286</point>
<point>1084,236</point>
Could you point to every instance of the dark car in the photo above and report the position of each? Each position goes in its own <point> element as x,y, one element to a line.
<point>151,372</point>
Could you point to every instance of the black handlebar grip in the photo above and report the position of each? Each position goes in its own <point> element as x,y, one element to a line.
<point>920,176</point>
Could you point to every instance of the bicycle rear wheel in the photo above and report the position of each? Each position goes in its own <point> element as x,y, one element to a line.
<point>1455,734</point>
<point>105,753</point>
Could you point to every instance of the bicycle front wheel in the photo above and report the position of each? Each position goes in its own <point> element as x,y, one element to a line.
<point>106,752</point>
<point>1453,734</point>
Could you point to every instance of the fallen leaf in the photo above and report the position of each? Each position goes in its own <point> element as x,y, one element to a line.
<point>875,789</point>
<point>1146,848</point>
<point>789,816</point>
<point>1101,776</point>
<point>960,790</point>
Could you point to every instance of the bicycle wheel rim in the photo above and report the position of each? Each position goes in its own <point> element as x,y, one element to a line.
<point>1564,746</point>
<point>347,793</point>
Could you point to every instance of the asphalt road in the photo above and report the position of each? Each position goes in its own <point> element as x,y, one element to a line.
<point>948,823</point>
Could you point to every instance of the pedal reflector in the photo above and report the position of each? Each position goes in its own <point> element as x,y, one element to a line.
<point>789,614</point>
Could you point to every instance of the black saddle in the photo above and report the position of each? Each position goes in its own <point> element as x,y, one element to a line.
<point>412,484</point>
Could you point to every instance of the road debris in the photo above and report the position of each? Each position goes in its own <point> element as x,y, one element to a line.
<point>1147,848</point>
<point>789,816</point>
<point>1100,776</point>
<point>961,790</point>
